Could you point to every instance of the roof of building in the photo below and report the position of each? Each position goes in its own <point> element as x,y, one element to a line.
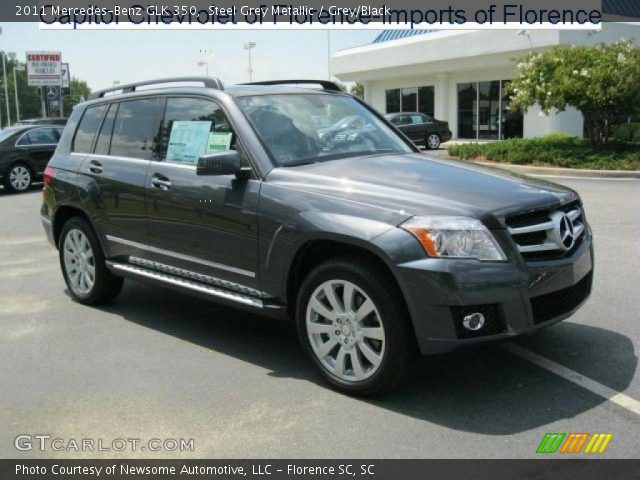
<point>388,35</point>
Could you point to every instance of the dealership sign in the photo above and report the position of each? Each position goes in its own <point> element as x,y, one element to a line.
<point>44,68</point>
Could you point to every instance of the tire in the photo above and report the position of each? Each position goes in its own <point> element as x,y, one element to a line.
<point>18,178</point>
<point>365,356</point>
<point>432,141</point>
<point>83,266</point>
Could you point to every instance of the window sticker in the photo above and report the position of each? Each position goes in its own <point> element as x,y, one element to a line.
<point>219,141</point>
<point>188,141</point>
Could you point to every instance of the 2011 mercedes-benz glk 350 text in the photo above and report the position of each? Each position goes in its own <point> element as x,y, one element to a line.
<point>253,196</point>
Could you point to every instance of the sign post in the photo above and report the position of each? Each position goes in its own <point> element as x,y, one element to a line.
<point>44,69</point>
<point>65,84</point>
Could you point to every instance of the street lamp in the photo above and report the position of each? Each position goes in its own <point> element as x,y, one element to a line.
<point>204,64</point>
<point>12,56</point>
<point>248,47</point>
<point>6,90</point>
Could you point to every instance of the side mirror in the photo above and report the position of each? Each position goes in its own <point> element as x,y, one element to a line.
<point>226,162</point>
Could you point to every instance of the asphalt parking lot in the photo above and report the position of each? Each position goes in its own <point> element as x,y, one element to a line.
<point>159,364</point>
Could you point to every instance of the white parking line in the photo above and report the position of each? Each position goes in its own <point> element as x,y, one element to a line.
<point>603,391</point>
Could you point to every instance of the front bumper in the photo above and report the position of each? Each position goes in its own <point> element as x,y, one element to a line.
<point>515,297</point>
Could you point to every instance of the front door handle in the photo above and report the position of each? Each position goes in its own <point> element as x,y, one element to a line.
<point>95,167</point>
<point>161,182</point>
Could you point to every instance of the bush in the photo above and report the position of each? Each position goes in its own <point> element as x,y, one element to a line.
<point>556,149</point>
<point>626,132</point>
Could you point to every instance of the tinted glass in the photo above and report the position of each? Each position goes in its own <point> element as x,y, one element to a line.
<point>426,102</point>
<point>418,119</point>
<point>193,127</point>
<point>104,137</point>
<point>285,126</point>
<point>409,99</point>
<point>24,140</point>
<point>467,110</point>
<point>489,110</point>
<point>136,129</point>
<point>87,129</point>
<point>43,136</point>
<point>512,120</point>
<point>393,100</point>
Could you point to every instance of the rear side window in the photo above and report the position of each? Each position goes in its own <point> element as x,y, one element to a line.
<point>87,129</point>
<point>136,129</point>
<point>104,137</point>
<point>43,136</point>
<point>193,127</point>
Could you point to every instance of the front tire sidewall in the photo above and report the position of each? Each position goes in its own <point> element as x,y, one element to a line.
<point>386,374</point>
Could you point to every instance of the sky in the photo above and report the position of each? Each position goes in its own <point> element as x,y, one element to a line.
<point>102,57</point>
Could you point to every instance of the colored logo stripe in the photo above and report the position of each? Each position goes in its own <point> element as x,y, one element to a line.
<point>598,443</point>
<point>550,443</point>
<point>574,443</point>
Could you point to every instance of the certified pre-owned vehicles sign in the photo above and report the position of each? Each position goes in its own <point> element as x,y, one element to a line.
<point>44,68</point>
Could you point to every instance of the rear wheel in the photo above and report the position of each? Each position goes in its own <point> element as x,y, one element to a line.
<point>432,141</point>
<point>18,178</point>
<point>353,325</point>
<point>83,265</point>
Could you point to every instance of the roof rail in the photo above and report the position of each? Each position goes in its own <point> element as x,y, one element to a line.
<point>208,82</point>
<point>325,84</point>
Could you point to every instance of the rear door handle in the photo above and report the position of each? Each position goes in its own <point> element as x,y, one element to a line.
<point>161,182</point>
<point>95,166</point>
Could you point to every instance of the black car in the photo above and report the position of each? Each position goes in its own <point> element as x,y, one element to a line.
<point>24,153</point>
<point>43,121</point>
<point>421,128</point>
<point>376,251</point>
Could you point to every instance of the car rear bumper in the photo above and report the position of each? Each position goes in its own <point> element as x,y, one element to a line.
<point>445,136</point>
<point>515,298</point>
<point>47,225</point>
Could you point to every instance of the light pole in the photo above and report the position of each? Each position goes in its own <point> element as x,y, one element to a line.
<point>204,64</point>
<point>6,90</point>
<point>248,47</point>
<point>12,56</point>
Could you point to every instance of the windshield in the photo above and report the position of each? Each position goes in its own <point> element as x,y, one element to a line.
<point>6,133</point>
<point>305,128</point>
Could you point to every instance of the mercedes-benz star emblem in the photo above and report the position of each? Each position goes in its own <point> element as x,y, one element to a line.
<point>565,231</point>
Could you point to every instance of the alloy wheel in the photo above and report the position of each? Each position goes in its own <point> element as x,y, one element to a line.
<point>433,141</point>
<point>345,330</point>
<point>79,262</point>
<point>20,178</point>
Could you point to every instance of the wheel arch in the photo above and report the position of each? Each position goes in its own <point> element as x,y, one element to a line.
<point>62,214</point>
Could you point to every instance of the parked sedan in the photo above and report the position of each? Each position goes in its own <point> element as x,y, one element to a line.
<point>24,153</point>
<point>421,128</point>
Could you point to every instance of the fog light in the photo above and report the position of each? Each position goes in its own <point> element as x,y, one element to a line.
<point>473,322</point>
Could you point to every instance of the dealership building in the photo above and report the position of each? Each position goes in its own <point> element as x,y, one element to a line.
<point>460,76</point>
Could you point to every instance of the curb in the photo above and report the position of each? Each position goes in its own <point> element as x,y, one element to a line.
<point>563,172</point>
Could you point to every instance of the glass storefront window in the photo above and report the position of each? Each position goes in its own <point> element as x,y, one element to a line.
<point>412,99</point>
<point>393,100</point>
<point>483,112</point>
<point>426,100</point>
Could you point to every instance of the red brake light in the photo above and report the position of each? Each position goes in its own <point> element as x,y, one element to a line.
<point>49,173</point>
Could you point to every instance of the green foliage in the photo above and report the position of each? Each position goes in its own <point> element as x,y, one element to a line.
<point>357,90</point>
<point>626,132</point>
<point>556,150</point>
<point>602,82</point>
<point>79,91</point>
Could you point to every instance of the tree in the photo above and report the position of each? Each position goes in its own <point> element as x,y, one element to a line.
<point>602,82</point>
<point>79,91</point>
<point>357,90</point>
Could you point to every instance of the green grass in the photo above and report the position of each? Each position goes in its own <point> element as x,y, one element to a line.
<point>557,150</point>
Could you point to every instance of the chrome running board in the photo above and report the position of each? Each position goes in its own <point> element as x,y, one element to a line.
<point>213,291</point>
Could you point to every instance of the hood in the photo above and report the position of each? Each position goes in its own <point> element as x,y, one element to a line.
<point>416,184</point>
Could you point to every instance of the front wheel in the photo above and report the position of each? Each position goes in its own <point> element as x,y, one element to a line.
<point>18,178</point>
<point>83,265</point>
<point>433,141</point>
<point>353,324</point>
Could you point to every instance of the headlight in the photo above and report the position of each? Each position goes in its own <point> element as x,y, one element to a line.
<point>461,237</point>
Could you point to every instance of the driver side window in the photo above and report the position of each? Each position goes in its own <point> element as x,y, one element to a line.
<point>193,127</point>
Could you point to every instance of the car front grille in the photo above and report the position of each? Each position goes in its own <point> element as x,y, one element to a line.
<point>541,234</point>
<point>493,323</point>
<point>552,305</point>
